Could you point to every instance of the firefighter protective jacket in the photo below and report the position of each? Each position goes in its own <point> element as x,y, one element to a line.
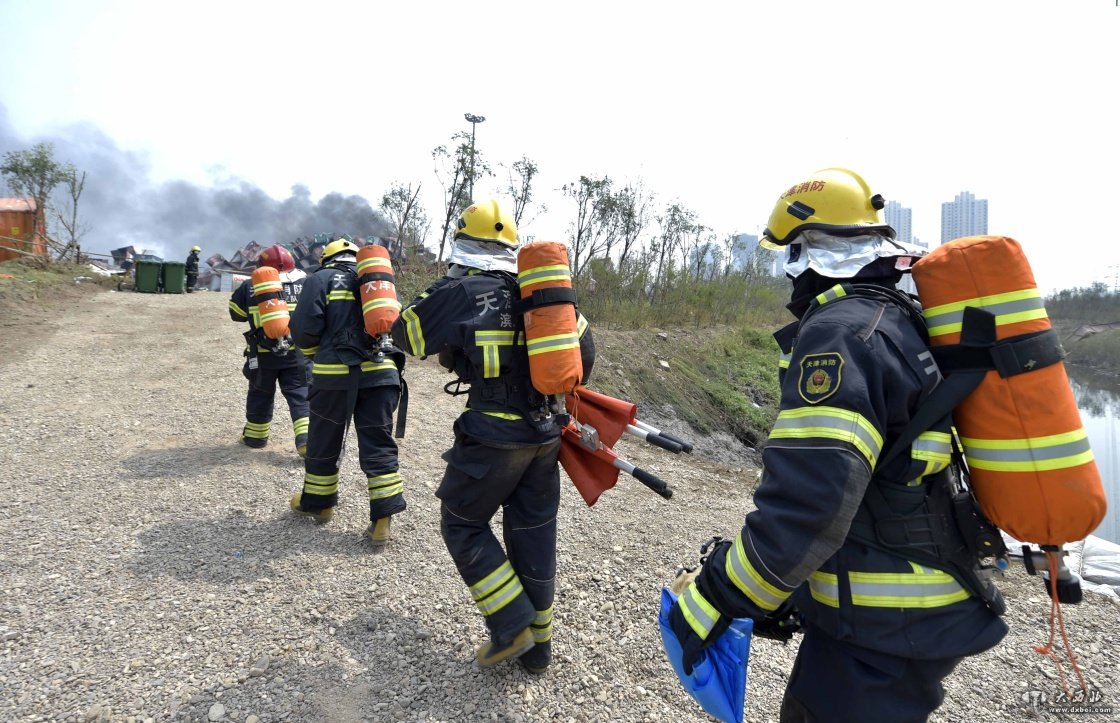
<point>191,266</point>
<point>852,374</point>
<point>328,327</point>
<point>470,322</point>
<point>242,309</point>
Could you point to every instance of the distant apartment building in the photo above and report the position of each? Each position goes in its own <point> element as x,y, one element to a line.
<point>898,218</point>
<point>965,215</point>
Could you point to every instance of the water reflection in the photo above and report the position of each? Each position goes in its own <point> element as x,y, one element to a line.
<point>1098,398</point>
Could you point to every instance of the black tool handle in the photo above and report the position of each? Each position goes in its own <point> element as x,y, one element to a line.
<point>686,447</point>
<point>660,440</point>
<point>652,481</point>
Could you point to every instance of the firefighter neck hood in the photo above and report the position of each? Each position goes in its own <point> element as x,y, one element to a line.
<point>483,255</point>
<point>843,257</point>
<point>810,284</point>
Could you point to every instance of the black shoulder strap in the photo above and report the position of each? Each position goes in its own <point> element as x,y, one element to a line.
<point>945,397</point>
<point>402,409</point>
<point>966,364</point>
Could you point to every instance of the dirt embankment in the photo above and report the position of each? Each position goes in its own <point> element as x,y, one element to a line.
<point>150,570</point>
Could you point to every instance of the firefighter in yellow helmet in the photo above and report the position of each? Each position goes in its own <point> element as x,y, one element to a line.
<point>853,539</point>
<point>349,380</point>
<point>505,450</point>
<point>191,267</point>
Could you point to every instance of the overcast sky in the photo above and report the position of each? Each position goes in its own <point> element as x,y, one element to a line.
<point>718,105</point>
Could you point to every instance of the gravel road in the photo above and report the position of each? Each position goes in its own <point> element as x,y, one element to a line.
<point>150,570</point>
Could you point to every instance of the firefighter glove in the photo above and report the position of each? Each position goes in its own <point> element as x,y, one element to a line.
<point>697,624</point>
<point>779,625</point>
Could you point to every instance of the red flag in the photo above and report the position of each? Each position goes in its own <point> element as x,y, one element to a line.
<point>609,416</point>
<point>591,475</point>
<point>593,472</point>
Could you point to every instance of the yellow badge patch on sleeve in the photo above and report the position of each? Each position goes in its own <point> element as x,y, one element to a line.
<point>820,376</point>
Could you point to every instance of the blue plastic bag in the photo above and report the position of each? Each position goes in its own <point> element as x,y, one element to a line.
<point>719,678</point>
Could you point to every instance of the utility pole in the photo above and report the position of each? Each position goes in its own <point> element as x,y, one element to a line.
<point>473,120</point>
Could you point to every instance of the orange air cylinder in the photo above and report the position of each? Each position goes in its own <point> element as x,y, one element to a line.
<point>551,331</point>
<point>268,301</point>
<point>1028,453</point>
<point>378,289</point>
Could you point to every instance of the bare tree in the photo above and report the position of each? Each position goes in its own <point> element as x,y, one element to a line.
<point>520,188</point>
<point>596,225</point>
<point>402,207</point>
<point>694,250</point>
<point>34,174</point>
<point>758,263</point>
<point>632,204</point>
<point>715,266</point>
<point>67,212</point>
<point>729,246</point>
<point>676,224</point>
<point>454,170</point>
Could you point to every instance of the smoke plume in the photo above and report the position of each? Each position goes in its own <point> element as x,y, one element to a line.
<point>124,207</point>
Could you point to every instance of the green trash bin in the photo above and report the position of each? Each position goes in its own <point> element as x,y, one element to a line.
<point>174,277</point>
<point>147,276</point>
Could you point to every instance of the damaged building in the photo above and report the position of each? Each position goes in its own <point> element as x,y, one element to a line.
<point>225,274</point>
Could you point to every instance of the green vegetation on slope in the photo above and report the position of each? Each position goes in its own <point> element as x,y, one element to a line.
<point>24,282</point>
<point>724,379</point>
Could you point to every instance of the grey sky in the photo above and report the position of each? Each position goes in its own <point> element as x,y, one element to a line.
<point>719,105</point>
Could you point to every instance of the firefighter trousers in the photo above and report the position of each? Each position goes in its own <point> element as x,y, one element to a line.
<point>260,401</point>
<point>514,587</point>
<point>837,682</point>
<point>372,409</point>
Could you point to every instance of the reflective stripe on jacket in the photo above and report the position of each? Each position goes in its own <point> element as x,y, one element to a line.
<point>471,319</point>
<point>328,327</point>
<point>852,374</point>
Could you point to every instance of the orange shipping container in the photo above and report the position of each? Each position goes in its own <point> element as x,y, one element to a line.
<point>16,216</point>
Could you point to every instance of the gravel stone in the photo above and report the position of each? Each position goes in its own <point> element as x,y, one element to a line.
<point>260,666</point>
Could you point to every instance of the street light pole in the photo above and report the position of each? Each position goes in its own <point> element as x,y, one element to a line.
<point>473,120</point>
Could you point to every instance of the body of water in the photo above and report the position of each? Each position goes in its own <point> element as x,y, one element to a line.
<point>1098,398</point>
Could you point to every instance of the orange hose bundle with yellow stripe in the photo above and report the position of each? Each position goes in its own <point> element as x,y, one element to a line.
<point>268,302</point>
<point>551,331</point>
<point>1028,453</point>
<point>378,289</point>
